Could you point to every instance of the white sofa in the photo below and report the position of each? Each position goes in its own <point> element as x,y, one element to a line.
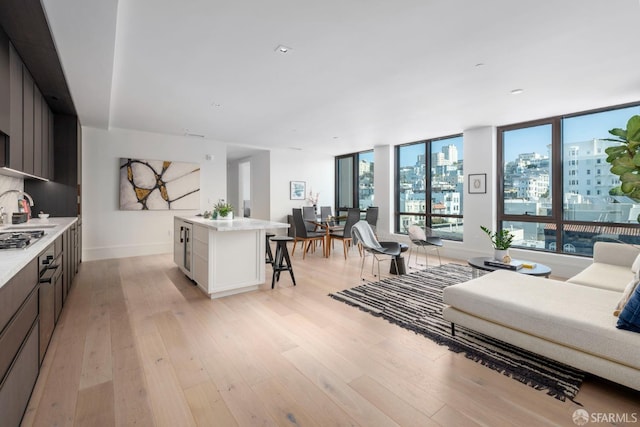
<point>571,322</point>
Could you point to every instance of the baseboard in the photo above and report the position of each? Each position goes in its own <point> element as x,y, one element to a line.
<point>94,254</point>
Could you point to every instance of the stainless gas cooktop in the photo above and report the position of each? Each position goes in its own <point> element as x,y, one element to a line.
<point>17,240</point>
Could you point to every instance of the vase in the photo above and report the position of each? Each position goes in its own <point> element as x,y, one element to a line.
<point>228,216</point>
<point>500,254</point>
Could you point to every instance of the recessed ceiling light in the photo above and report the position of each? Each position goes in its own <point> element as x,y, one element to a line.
<point>517,91</point>
<point>282,49</point>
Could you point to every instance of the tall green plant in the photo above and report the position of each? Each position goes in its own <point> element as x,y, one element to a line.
<point>625,158</point>
<point>499,239</point>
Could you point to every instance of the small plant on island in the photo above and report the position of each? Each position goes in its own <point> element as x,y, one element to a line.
<point>500,240</point>
<point>222,208</point>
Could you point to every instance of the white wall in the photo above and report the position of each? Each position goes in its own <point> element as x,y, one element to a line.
<point>384,184</point>
<point>258,186</point>
<point>111,233</point>
<point>261,186</point>
<point>317,170</point>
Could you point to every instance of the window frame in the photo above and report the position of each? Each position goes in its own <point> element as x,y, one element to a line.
<point>428,215</point>
<point>355,180</point>
<point>556,219</point>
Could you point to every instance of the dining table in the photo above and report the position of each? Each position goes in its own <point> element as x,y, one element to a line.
<point>330,224</point>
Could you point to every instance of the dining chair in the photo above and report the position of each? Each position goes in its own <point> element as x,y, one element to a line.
<point>364,235</point>
<point>309,214</point>
<point>371,216</point>
<point>353,216</point>
<point>325,213</point>
<point>305,236</point>
<point>423,237</point>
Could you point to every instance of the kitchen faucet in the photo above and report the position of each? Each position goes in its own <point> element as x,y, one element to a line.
<point>2,219</point>
<point>19,193</point>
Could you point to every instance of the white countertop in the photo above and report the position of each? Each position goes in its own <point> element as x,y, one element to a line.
<point>236,224</point>
<point>14,260</point>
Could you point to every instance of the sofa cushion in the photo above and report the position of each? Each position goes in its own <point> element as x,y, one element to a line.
<point>630,316</point>
<point>635,267</point>
<point>604,276</point>
<point>569,314</point>
<point>625,296</point>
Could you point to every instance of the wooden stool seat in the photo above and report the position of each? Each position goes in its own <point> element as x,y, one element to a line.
<point>269,254</point>
<point>281,262</point>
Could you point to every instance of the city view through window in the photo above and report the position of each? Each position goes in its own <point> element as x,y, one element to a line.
<point>431,185</point>
<point>592,206</point>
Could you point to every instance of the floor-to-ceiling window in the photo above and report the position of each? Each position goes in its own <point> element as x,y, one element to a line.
<point>354,181</point>
<point>556,192</point>
<point>429,186</point>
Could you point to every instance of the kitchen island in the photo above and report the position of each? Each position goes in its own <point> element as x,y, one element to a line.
<point>223,257</point>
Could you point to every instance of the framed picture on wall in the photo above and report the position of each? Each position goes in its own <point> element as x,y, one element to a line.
<point>297,190</point>
<point>477,183</point>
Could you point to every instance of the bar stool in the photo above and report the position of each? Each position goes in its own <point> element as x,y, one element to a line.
<point>281,262</point>
<point>269,257</point>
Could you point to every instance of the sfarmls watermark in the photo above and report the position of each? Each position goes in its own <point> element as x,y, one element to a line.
<point>581,417</point>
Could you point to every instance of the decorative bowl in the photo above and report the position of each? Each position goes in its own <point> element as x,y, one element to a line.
<point>43,216</point>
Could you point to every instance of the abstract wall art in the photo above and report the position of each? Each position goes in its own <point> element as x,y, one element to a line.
<point>159,185</point>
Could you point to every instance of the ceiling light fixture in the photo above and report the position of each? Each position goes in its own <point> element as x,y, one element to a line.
<point>517,91</point>
<point>282,49</point>
<point>187,132</point>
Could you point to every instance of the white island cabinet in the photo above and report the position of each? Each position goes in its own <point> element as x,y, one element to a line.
<point>227,256</point>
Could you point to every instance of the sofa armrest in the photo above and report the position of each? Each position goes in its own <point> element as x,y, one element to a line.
<point>615,253</point>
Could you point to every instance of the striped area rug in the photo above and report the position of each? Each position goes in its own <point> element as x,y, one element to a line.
<point>414,301</point>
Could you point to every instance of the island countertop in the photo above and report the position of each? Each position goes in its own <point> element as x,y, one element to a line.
<point>237,224</point>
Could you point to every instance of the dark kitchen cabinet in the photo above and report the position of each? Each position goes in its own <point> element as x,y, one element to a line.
<point>30,128</point>
<point>37,131</point>
<point>4,84</point>
<point>15,85</point>
<point>45,141</point>
<point>27,122</point>
<point>19,335</point>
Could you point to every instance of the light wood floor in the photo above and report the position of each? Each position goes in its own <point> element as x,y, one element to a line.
<point>138,344</point>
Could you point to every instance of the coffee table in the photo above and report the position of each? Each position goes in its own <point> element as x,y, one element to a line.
<point>478,265</point>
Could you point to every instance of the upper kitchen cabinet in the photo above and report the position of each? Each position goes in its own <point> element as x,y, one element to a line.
<point>15,130</point>
<point>4,83</point>
<point>27,122</point>
<point>36,92</point>
<point>30,123</point>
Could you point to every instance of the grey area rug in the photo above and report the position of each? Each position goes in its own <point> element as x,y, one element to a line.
<point>414,301</point>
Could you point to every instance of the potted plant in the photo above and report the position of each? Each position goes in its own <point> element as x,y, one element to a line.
<point>222,210</point>
<point>501,241</point>
<point>625,158</point>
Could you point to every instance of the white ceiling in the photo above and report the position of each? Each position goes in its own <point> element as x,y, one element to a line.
<point>360,73</point>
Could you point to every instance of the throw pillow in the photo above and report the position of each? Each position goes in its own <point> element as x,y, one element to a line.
<point>629,318</point>
<point>628,290</point>
<point>635,267</point>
